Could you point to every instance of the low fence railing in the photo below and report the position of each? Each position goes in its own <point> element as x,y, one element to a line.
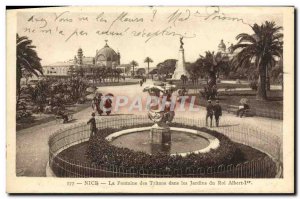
<point>254,137</point>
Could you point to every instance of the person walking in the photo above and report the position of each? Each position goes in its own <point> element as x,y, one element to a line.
<point>217,112</point>
<point>209,112</point>
<point>92,123</point>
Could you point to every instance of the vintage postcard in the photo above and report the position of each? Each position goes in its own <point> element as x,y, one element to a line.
<point>150,100</point>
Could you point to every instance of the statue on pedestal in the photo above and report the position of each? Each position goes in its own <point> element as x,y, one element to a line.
<point>161,116</point>
<point>180,69</point>
<point>181,42</point>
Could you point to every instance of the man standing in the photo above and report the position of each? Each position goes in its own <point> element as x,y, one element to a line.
<point>217,112</point>
<point>92,123</point>
<point>209,112</point>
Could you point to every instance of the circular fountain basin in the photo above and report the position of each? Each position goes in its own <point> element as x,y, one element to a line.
<point>183,141</point>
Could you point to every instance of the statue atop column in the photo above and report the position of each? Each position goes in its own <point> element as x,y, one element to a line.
<point>180,64</point>
<point>181,42</point>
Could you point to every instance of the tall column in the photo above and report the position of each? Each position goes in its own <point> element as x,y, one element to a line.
<point>180,66</point>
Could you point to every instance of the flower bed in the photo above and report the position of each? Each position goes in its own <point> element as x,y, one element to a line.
<point>101,152</point>
<point>74,154</point>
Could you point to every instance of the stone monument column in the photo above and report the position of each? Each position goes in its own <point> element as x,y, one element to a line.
<point>180,64</point>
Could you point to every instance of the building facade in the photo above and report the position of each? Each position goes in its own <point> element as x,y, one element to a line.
<point>104,57</point>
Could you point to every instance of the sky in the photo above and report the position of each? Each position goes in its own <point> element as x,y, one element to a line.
<point>139,32</point>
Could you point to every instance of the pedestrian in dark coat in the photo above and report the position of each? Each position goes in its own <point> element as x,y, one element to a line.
<point>209,112</point>
<point>217,112</point>
<point>92,123</point>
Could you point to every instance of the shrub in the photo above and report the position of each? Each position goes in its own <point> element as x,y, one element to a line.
<point>210,92</point>
<point>24,116</point>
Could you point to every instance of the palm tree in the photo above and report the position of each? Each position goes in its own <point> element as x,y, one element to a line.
<point>27,60</point>
<point>118,73</point>
<point>212,64</point>
<point>148,60</point>
<point>133,64</point>
<point>261,48</point>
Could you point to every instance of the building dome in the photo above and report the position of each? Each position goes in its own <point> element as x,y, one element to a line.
<point>106,54</point>
<point>222,46</point>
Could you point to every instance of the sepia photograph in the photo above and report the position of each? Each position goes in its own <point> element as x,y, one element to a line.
<point>150,99</point>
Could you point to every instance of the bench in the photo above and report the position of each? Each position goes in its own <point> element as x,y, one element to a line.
<point>59,119</point>
<point>233,109</point>
<point>229,89</point>
<point>181,92</point>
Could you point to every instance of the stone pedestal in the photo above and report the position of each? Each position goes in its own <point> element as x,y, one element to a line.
<point>160,138</point>
<point>180,66</point>
<point>160,134</point>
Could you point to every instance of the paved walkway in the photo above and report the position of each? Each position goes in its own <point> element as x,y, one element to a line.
<point>32,143</point>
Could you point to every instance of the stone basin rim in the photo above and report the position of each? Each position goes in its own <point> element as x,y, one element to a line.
<point>214,143</point>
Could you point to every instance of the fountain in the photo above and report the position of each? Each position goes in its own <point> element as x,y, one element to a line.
<point>132,147</point>
<point>160,137</point>
<point>160,132</point>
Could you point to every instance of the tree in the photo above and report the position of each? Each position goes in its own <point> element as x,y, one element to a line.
<point>141,71</point>
<point>261,48</point>
<point>148,60</point>
<point>277,74</point>
<point>212,64</point>
<point>27,60</point>
<point>167,67</point>
<point>80,72</point>
<point>102,73</point>
<point>71,71</point>
<point>196,69</point>
<point>133,64</point>
<point>118,71</point>
<point>109,73</point>
<point>153,72</point>
<point>26,75</point>
<point>40,93</point>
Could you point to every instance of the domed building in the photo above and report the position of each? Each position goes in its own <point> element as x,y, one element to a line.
<point>107,57</point>
<point>222,47</point>
<point>228,52</point>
